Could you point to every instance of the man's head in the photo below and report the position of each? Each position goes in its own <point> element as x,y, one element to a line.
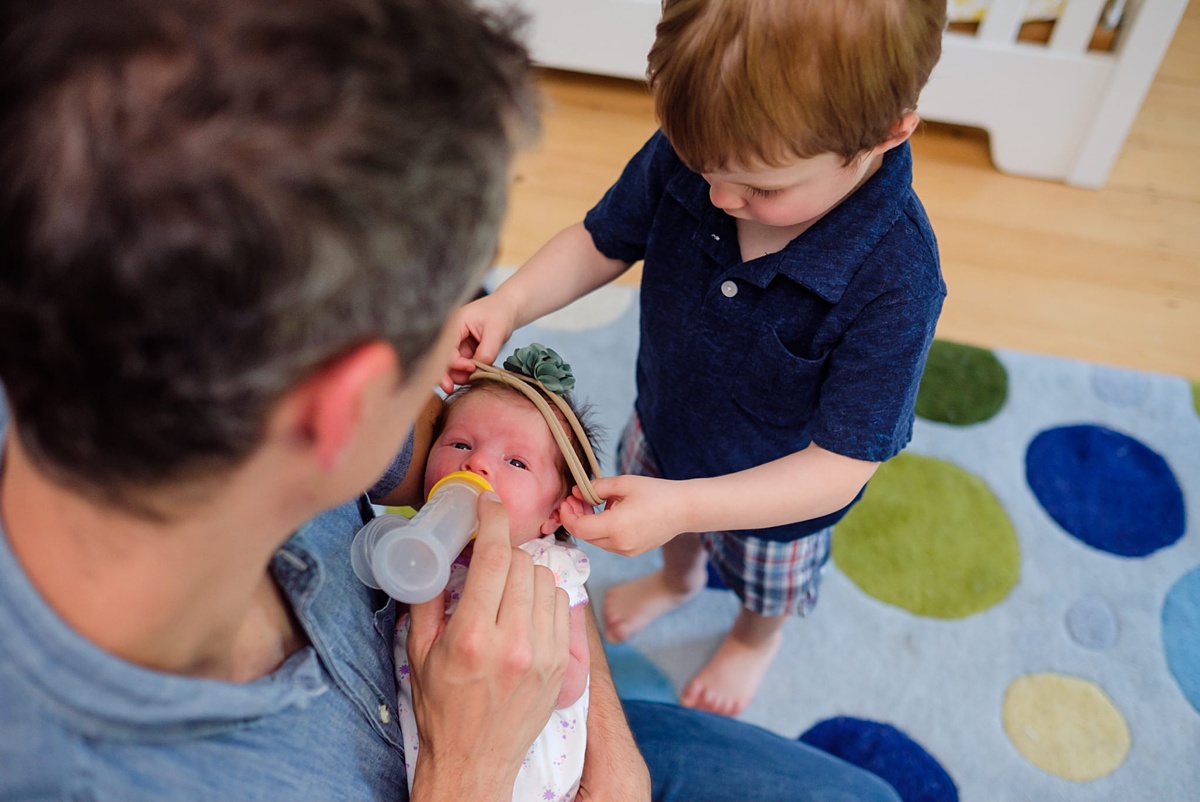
<point>491,429</point>
<point>203,202</point>
<point>760,82</point>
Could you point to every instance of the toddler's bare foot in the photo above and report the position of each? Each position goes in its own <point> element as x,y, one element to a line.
<point>733,675</point>
<point>632,605</point>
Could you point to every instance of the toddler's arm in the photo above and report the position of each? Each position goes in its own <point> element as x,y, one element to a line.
<point>567,267</point>
<point>578,662</point>
<point>643,513</point>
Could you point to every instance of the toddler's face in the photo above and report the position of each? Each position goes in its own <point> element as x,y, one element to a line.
<point>793,195</point>
<point>503,438</point>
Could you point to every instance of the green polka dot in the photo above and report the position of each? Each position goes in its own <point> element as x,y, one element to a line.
<point>962,384</point>
<point>929,537</point>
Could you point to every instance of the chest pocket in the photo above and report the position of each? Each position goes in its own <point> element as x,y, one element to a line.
<point>776,386</point>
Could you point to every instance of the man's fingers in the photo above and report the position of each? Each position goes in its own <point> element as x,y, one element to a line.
<point>562,625</point>
<point>425,622</point>
<point>519,593</point>
<point>490,561</point>
<point>545,600</point>
<point>551,623</point>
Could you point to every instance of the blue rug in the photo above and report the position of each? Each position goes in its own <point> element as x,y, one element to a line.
<point>1013,610</point>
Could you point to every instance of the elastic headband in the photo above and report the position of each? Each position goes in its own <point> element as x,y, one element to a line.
<point>523,385</point>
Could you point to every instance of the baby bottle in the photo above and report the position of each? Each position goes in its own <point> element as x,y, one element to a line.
<point>409,558</point>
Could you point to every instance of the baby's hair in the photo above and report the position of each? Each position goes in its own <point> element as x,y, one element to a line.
<point>582,412</point>
<point>744,83</point>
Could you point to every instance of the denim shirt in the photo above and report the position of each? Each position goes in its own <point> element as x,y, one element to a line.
<point>741,363</point>
<point>79,723</point>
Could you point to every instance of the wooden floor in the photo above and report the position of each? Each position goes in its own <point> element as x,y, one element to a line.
<point>1109,275</point>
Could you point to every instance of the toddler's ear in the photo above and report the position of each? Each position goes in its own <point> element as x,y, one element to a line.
<point>901,131</point>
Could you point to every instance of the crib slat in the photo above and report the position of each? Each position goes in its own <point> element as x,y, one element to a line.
<point>1148,31</point>
<point>1074,28</point>
<point>1002,21</point>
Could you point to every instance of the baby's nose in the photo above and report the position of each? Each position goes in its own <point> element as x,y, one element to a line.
<point>476,463</point>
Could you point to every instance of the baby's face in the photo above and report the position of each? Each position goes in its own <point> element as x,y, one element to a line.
<point>503,438</point>
<point>795,194</point>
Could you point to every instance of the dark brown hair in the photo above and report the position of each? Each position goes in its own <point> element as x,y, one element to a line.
<point>202,201</point>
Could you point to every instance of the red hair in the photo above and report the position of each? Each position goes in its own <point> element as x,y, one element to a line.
<point>762,82</point>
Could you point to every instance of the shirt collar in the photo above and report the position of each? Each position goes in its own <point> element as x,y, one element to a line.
<point>826,257</point>
<point>103,694</point>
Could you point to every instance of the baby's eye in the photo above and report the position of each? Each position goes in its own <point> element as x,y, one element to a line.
<point>463,446</point>
<point>516,463</point>
<point>762,193</point>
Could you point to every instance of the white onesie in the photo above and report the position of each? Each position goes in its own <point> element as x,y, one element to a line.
<point>554,764</point>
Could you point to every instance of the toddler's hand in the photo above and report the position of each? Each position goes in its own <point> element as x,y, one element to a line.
<point>573,507</point>
<point>640,514</point>
<point>484,326</point>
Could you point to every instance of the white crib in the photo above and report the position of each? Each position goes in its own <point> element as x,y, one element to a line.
<point>1053,110</point>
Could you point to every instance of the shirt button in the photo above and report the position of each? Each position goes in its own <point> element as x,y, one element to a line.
<point>385,715</point>
<point>729,288</point>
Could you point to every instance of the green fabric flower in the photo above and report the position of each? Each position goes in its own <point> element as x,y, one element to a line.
<point>544,364</point>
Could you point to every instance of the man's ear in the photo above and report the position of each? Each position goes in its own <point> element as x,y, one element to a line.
<point>900,132</point>
<point>330,405</point>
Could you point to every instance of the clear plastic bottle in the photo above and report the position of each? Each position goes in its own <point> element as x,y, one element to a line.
<point>409,558</point>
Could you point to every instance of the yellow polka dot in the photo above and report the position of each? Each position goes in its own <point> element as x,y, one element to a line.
<point>1065,726</point>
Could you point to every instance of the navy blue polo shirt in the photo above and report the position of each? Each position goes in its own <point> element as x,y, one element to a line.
<point>741,363</point>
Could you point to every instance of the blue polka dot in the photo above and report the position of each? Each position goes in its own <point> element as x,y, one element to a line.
<point>1181,634</point>
<point>1107,489</point>
<point>636,677</point>
<point>886,752</point>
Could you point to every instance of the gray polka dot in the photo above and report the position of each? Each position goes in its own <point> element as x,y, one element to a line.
<point>1121,388</point>
<point>1092,623</point>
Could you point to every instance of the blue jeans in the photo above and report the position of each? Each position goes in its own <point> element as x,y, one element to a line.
<point>700,757</point>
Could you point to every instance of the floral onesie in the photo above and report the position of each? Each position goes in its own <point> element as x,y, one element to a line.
<point>553,766</point>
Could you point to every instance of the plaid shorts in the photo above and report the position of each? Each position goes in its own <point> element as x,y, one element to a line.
<point>771,578</point>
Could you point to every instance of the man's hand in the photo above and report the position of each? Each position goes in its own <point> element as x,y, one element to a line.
<point>486,679</point>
